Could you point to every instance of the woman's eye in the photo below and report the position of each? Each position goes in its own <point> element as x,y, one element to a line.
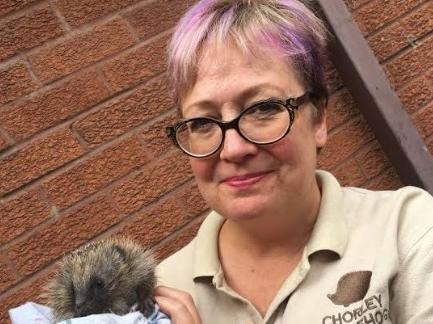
<point>200,125</point>
<point>265,110</point>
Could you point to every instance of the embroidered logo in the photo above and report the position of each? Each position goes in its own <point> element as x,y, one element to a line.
<point>351,287</point>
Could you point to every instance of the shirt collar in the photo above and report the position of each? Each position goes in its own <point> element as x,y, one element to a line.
<point>206,261</point>
<point>329,233</point>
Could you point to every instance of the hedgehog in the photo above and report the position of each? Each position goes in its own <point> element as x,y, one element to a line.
<point>108,276</point>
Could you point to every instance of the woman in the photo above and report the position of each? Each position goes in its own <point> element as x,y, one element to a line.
<point>284,243</point>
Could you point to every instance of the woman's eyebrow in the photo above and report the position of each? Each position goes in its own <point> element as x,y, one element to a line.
<point>246,98</point>
<point>265,88</point>
<point>201,106</point>
<point>260,91</point>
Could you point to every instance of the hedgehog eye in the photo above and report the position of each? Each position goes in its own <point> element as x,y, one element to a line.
<point>99,283</point>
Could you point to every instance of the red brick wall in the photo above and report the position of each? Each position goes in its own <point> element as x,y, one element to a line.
<point>83,105</point>
<point>400,34</point>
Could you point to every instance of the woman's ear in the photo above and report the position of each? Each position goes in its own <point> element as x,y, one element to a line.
<point>320,130</point>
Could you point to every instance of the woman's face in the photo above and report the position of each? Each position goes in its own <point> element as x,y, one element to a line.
<point>243,180</point>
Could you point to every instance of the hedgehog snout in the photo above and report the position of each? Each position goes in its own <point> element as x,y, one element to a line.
<point>81,310</point>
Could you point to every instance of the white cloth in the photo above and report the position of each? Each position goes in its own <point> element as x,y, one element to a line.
<point>131,318</point>
<point>32,313</point>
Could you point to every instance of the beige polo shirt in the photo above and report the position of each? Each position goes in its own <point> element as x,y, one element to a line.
<point>369,260</point>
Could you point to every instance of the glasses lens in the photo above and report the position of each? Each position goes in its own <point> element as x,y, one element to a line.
<point>199,137</point>
<point>265,123</point>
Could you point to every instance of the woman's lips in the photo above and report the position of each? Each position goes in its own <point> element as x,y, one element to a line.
<point>244,181</point>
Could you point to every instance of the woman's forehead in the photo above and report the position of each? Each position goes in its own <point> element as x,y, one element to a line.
<point>227,74</point>
<point>219,58</point>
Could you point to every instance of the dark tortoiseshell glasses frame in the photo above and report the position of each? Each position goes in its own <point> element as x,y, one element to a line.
<point>291,105</point>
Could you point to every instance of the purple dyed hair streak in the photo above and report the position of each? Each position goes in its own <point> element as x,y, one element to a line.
<point>287,28</point>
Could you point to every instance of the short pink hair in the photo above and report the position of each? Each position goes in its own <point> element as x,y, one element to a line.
<point>286,27</point>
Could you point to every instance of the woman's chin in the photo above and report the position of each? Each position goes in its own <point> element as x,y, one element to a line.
<point>244,209</point>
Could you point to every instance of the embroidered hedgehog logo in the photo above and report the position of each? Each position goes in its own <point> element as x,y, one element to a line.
<point>351,287</point>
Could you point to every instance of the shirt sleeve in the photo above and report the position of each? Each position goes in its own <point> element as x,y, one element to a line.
<point>412,288</point>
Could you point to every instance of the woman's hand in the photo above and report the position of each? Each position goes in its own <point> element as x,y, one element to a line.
<point>178,305</point>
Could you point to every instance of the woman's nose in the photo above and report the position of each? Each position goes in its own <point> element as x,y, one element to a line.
<point>236,148</point>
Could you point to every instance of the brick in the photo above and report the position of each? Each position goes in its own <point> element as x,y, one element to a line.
<point>21,214</point>
<point>94,173</point>
<point>191,200</point>
<point>416,94</point>
<point>79,12</point>
<point>344,143</point>
<point>424,121</point>
<point>7,6</point>
<point>155,138</point>
<point>353,4</point>
<point>341,108</point>
<point>332,77</point>
<point>411,64</point>
<point>8,275</point>
<point>63,235</point>
<point>388,41</point>
<point>152,225</point>
<point>157,16</point>
<point>137,65</point>
<point>30,290</point>
<point>377,13</point>
<point>37,158</point>
<point>388,180</point>
<point>3,143</point>
<point>402,33</point>
<point>15,82</point>
<point>372,160</point>
<point>27,31</point>
<point>57,60</point>
<point>113,119</point>
<point>349,174</point>
<point>52,106</point>
<point>429,75</point>
<point>419,22</point>
<point>151,183</point>
<point>179,240</point>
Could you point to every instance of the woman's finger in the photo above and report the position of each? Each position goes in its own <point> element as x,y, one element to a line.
<point>178,304</point>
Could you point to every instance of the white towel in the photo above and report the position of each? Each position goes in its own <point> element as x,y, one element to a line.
<point>32,313</point>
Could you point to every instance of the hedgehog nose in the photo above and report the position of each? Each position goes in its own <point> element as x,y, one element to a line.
<point>80,310</point>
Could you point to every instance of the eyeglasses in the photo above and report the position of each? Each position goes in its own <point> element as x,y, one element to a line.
<point>264,122</point>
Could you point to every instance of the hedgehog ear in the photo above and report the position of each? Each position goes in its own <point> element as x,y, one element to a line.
<point>120,250</point>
